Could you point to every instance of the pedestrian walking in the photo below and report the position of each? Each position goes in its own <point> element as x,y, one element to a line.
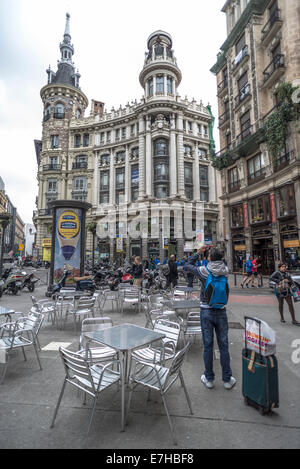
<point>283,282</point>
<point>172,277</point>
<point>213,316</point>
<point>137,271</point>
<point>255,267</point>
<point>248,273</point>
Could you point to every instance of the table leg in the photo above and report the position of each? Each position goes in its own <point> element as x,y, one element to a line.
<point>123,365</point>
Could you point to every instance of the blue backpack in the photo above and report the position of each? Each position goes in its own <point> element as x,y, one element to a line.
<point>216,290</point>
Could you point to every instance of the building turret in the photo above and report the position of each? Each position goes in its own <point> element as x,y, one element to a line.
<point>160,75</point>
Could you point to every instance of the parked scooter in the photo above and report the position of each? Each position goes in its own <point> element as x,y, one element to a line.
<point>28,281</point>
<point>10,283</point>
<point>82,283</point>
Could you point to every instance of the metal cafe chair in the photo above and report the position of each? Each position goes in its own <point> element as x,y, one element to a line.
<point>130,296</point>
<point>92,379</point>
<point>101,352</point>
<point>159,378</point>
<point>19,334</point>
<point>84,306</point>
<point>161,354</point>
<point>192,326</point>
<point>46,307</point>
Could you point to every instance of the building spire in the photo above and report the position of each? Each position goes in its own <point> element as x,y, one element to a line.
<point>67,28</point>
<point>66,48</point>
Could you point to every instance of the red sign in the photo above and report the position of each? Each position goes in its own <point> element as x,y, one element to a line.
<point>273,208</point>
<point>246,223</point>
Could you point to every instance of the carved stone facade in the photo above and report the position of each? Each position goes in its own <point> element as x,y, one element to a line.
<point>155,151</point>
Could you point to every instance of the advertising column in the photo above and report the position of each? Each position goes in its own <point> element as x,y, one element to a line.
<point>68,240</point>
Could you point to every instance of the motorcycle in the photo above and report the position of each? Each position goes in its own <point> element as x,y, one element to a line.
<point>82,283</point>
<point>10,282</point>
<point>28,281</point>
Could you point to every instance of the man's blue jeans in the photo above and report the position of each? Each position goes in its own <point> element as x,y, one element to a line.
<point>215,320</point>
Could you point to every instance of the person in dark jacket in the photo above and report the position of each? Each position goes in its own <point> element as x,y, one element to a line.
<point>173,274</point>
<point>137,271</point>
<point>282,278</point>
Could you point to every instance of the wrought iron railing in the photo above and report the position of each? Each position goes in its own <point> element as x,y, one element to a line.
<point>277,62</point>
<point>275,16</point>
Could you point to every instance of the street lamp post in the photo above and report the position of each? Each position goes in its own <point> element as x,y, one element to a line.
<point>4,221</point>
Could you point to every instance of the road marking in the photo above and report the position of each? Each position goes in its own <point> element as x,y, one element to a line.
<point>54,346</point>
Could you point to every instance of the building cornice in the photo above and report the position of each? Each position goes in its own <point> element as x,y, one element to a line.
<point>255,7</point>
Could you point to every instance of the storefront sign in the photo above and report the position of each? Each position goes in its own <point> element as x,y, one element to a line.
<point>46,242</point>
<point>293,243</point>
<point>240,247</point>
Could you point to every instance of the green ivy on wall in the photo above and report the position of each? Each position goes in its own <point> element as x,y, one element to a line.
<point>277,124</point>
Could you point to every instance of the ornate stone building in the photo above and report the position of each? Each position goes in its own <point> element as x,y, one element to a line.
<point>147,156</point>
<point>260,192</point>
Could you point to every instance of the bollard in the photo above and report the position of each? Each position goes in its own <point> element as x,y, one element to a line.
<point>235,280</point>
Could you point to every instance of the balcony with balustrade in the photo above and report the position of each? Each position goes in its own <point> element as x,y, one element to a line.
<point>274,70</point>
<point>271,28</point>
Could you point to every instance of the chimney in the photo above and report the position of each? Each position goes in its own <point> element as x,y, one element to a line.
<point>97,107</point>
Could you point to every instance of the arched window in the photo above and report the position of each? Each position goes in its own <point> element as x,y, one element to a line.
<point>78,113</point>
<point>160,84</point>
<point>161,147</point>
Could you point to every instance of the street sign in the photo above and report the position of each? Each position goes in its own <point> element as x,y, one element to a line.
<point>21,247</point>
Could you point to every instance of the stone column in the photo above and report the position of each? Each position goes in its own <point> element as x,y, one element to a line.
<point>96,180</point>
<point>212,184</point>
<point>127,176</point>
<point>173,159</point>
<point>180,157</point>
<point>112,195</point>
<point>196,174</point>
<point>141,158</point>
<point>148,157</point>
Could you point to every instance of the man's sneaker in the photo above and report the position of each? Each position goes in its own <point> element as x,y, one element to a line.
<point>229,384</point>
<point>208,384</point>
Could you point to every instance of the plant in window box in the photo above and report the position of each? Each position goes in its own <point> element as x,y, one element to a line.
<point>222,161</point>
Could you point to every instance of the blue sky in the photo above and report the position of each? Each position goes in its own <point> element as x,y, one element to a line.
<point>110,41</point>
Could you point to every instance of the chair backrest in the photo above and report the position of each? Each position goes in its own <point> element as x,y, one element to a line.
<point>34,320</point>
<point>76,367</point>
<point>96,324</point>
<point>177,362</point>
<point>170,329</point>
<point>86,303</point>
<point>131,293</point>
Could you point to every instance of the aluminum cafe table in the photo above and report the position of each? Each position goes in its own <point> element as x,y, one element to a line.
<point>181,304</point>
<point>124,338</point>
<point>6,312</point>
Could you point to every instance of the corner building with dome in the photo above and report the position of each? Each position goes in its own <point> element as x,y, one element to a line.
<point>144,167</point>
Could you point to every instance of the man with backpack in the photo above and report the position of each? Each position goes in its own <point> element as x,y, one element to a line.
<point>214,297</point>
